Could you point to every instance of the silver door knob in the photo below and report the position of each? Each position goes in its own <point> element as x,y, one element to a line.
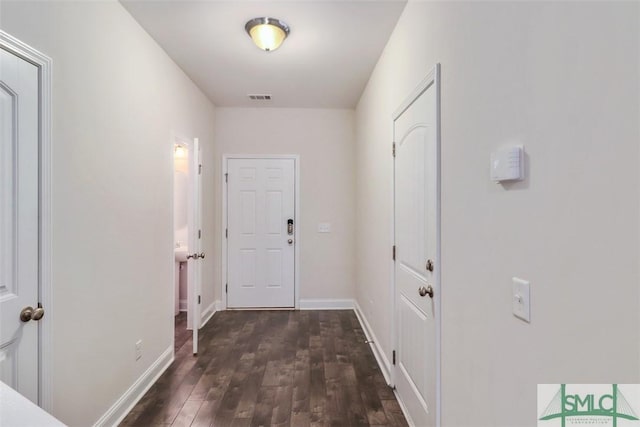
<point>290,241</point>
<point>38,313</point>
<point>201,255</point>
<point>422,291</point>
<point>194,256</point>
<point>29,313</point>
<point>26,314</point>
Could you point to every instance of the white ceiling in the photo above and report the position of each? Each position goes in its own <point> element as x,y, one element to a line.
<point>324,63</point>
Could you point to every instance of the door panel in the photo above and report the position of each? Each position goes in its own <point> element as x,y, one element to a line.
<point>248,265</point>
<point>19,256</point>
<point>416,234</point>
<point>194,265</point>
<point>260,200</point>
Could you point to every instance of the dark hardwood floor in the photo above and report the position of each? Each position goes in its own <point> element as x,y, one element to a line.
<point>272,368</point>
<point>182,334</point>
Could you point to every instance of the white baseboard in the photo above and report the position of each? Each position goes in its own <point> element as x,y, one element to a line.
<point>182,304</point>
<point>326,304</point>
<point>209,312</point>
<point>128,400</point>
<point>404,409</point>
<point>381,358</point>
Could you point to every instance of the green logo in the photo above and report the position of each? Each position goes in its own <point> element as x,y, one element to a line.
<point>583,406</point>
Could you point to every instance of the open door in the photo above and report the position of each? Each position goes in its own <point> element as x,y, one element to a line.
<point>196,256</point>
<point>20,311</point>
<point>416,129</point>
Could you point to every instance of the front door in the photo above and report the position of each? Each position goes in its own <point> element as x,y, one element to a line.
<point>416,204</point>
<point>260,230</point>
<point>19,118</point>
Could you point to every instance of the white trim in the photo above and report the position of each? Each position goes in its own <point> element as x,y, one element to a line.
<point>182,304</point>
<point>432,78</point>
<point>381,358</point>
<point>116,413</point>
<point>208,313</point>
<point>378,352</point>
<point>296,158</point>
<point>392,270</point>
<point>172,193</point>
<point>195,170</point>
<point>45,326</point>
<point>326,304</point>
<point>404,409</point>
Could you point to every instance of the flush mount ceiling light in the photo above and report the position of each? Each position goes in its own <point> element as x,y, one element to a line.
<point>179,151</point>
<point>267,33</point>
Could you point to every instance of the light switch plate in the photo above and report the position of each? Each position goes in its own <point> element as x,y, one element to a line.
<point>521,299</point>
<point>324,227</point>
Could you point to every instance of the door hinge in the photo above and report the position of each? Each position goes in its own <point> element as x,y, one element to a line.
<point>199,234</point>
<point>199,169</point>
<point>393,357</point>
<point>394,252</point>
<point>393,150</point>
<point>226,233</point>
<point>199,299</point>
<point>226,288</point>
<point>226,177</point>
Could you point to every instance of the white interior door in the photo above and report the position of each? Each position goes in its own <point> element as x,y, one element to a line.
<point>19,224</point>
<point>261,242</point>
<point>416,204</point>
<point>196,257</point>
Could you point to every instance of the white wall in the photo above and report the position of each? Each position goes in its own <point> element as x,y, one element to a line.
<point>116,99</point>
<point>324,139</point>
<point>562,79</point>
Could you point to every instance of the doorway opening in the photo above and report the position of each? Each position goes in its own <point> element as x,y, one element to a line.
<point>187,235</point>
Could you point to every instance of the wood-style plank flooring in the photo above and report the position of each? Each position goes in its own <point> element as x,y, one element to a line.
<point>272,368</point>
<point>182,334</point>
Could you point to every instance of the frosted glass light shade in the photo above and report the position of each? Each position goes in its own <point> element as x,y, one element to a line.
<point>267,33</point>
<point>179,152</point>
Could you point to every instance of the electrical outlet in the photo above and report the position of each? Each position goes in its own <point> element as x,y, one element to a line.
<point>138,350</point>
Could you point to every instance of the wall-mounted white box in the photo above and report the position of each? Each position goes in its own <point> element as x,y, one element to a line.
<point>507,164</point>
<point>324,227</point>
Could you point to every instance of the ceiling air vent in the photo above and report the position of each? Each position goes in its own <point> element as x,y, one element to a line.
<point>259,97</point>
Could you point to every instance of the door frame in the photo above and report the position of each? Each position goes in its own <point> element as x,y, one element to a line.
<point>431,79</point>
<point>296,267</point>
<point>45,288</point>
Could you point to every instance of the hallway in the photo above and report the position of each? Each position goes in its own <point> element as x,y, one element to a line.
<point>261,368</point>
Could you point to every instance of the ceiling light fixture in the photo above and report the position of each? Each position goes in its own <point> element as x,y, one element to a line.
<point>267,33</point>
<point>179,151</point>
